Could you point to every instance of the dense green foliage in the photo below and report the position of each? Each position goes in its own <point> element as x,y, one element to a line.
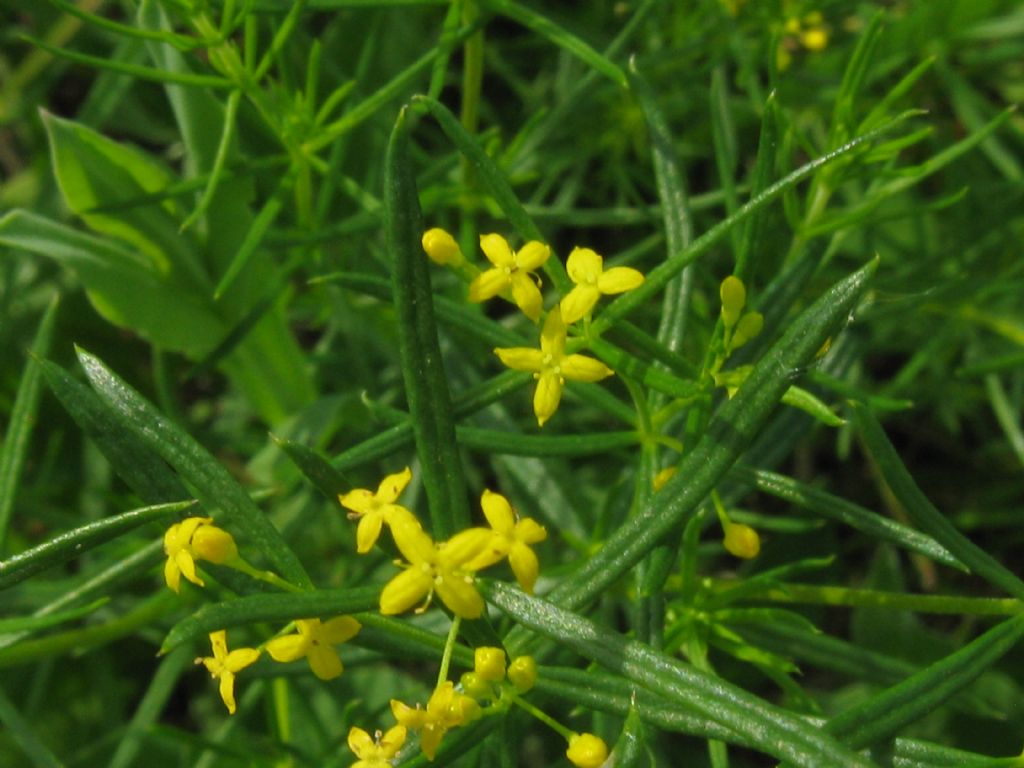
<point>214,301</point>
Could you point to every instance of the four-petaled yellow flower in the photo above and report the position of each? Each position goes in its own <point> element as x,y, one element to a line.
<point>223,665</point>
<point>586,750</point>
<point>586,269</point>
<point>378,750</point>
<point>316,642</point>
<point>445,710</point>
<point>195,539</point>
<point>511,538</point>
<point>375,509</point>
<point>551,366</point>
<point>511,271</point>
<point>435,567</point>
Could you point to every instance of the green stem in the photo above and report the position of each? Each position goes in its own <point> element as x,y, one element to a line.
<point>446,657</point>
<point>544,717</point>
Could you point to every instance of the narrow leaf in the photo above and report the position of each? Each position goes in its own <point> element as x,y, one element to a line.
<point>215,488</point>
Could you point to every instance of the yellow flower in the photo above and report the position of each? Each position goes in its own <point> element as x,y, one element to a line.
<point>489,664</point>
<point>374,509</point>
<point>511,538</point>
<point>195,539</point>
<point>375,752</point>
<point>443,568</point>
<point>511,271</point>
<point>586,269</point>
<point>442,248</point>
<point>445,710</point>
<point>522,673</point>
<point>316,642</point>
<point>741,541</point>
<point>551,366</point>
<point>224,666</point>
<point>586,750</point>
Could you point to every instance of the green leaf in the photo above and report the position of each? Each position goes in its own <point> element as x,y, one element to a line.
<point>737,423</point>
<point>23,419</point>
<point>138,465</point>
<point>125,291</point>
<point>883,715</point>
<point>811,405</point>
<point>769,728</point>
<point>560,36</point>
<point>631,750</point>
<point>29,624</point>
<point>214,487</point>
<point>836,508</point>
<point>426,383</point>
<point>72,544</point>
<point>277,608</point>
<point>923,513</point>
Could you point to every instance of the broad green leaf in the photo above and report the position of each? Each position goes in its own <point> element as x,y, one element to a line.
<point>770,729</point>
<point>23,419</point>
<point>72,544</point>
<point>215,488</point>
<point>426,382</point>
<point>126,292</point>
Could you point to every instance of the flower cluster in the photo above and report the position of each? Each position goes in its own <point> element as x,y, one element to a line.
<point>513,277</point>
<point>446,568</point>
<point>197,539</point>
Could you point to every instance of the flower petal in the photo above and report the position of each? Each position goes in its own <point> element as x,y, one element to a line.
<point>579,302</point>
<point>529,531</point>
<point>404,591</point>
<point>392,486</point>
<point>495,551</point>
<point>547,396</point>
<point>525,566</point>
<point>521,358</point>
<point>498,512</point>
<point>287,648</point>
<point>532,255</point>
<point>359,500</point>
<point>488,284</point>
<point>430,740</point>
<point>240,658</point>
<point>409,717</point>
<point>360,742</point>
<point>325,662</point>
<point>526,295</point>
<point>461,596</point>
<point>584,265</point>
<point>582,368</point>
<point>552,336</point>
<point>464,546</point>
<point>187,566</point>
<point>497,250</point>
<point>340,629</point>
<point>413,542</point>
<point>214,545</point>
<point>620,280</point>
<point>368,530</point>
<point>392,741</point>
<point>219,643</point>
<point>227,691</point>
<point>172,574</point>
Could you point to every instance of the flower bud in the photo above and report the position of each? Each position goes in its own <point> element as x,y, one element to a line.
<point>586,750</point>
<point>441,247</point>
<point>489,664</point>
<point>741,541</point>
<point>522,673</point>
<point>213,544</point>
<point>734,297</point>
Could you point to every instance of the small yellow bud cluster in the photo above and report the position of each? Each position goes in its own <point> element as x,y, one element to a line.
<point>488,677</point>
<point>512,276</point>
<point>809,32</point>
